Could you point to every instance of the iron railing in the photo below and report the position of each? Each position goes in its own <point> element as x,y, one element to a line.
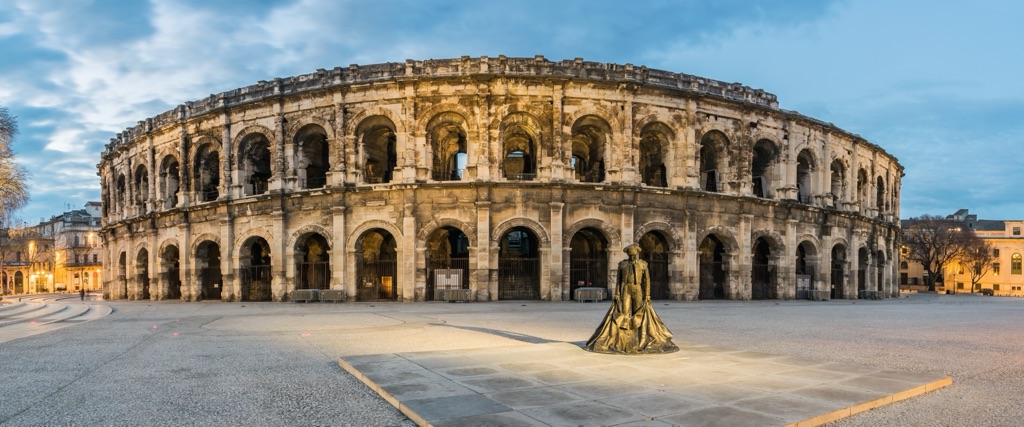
<point>519,279</point>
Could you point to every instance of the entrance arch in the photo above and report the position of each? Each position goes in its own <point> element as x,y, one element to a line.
<point>518,265</point>
<point>313,262</point>
<point>447,259</point>
<point>142,273</point>
<point>377,266</point>
<point>655,250</point>
<point>862,272</point>
<point>19,282</point>
<point>208,266</point>
<point>254,270</point>
<point>171,268</point>
<point>122,274</point>
<point>806,259</point>
<point>838,272</point>
<point>588,260</point>
<point>762,275</point>
<point>714,270</point>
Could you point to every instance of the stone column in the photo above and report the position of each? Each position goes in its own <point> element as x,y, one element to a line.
<point>559,254</point>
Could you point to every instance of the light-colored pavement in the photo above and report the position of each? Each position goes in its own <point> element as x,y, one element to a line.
<point>212,363</point>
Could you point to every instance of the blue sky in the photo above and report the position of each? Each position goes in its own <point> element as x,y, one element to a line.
<point>936,83</point>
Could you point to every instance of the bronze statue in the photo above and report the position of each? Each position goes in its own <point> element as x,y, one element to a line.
<point>631,325</point>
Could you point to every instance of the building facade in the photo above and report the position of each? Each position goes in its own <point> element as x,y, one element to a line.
<point>61,254</point>
<point>1004,277</point>
<point>509,178</point>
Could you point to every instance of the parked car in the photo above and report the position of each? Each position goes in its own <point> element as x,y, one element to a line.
<point>987,292</point>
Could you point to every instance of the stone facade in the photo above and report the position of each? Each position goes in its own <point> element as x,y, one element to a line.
<point>508,178</point>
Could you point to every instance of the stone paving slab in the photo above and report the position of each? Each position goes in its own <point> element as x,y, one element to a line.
<point>560,384</point>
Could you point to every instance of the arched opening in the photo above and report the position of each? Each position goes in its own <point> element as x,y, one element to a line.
<point>806,259</point>
<point>519,142</point>
<point>254,270</point>
<point>448,142</point>
<point>762,274</point>
<point>713,146</point>
<point>838,181</point>
<point>311,143</point>
<point>121,193</point>
<point>122,274</point>
<point>380,156</point>
<point>654,146</point>
<point>142,188</point>
<point>142,273</point>
<point>169,172</point>
<point>377,266</point>
<point>171,272</point>
<point>19,282</point>
<point>447,252</point>
<point>862,272</point>
<point>880,195</point>
<point>206,173</point>
<point>254,163</point>
<point>762,166</point>
<point>714,270</point>
<point>518,265</point>
<point>804,169</point>
<point>838,272</point>
<point>880,271</point>
<point>654,249</point>
<point>208,266</point>
<point>588,261</point>
<point>862,188</point>
<point>589,136</point>
<point>313,262</point>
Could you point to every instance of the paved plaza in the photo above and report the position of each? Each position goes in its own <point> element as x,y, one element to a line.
<point>213,363</point>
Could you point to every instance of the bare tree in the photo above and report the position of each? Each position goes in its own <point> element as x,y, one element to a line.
<point>13,192</point>
<point>976,258</point>
<point>934,241</point>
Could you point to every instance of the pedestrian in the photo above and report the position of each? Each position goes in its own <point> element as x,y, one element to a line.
<point>82,294</point>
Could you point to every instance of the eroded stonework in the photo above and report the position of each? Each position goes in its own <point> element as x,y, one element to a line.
<point>494,178</point>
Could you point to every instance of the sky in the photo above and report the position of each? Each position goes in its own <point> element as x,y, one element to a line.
<point>938,84</point>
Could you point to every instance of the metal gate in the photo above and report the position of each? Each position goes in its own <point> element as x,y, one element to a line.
<point>377,280</point>
<point>657,265</point>
<point>587,273</point>
<point>519,279</point>
<point>173,281</point>
<point>447,273</point>
<point>255,283</point>
<point>211,280</point>
<point>314,275</point>
<point>762,282</point>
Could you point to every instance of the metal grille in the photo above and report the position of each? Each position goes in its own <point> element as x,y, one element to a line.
<point>173,281</point>
<point>255,282</point>
<point>378,281</point>
<point>314,275</point>
<point>519,279</point>
<point>712,280</point>
<point>587,273</point>
<point>861,280</point>
<point>211,281</point>
<point>657,264</point>
<point>442,272</point>
<point>762,282</point>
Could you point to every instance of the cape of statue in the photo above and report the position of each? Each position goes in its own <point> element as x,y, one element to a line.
<point>631,325</point>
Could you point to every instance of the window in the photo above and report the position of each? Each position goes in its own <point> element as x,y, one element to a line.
<point>960,269</point>
<point>94,258</point>
<point>1016,231</point>
<point>995,287</point>
<point>903,265</point>
<point>995,268</point>
<point>977,286</point>
<point>995,252</point>
<point>960,285</point>
<point>1015,264</point>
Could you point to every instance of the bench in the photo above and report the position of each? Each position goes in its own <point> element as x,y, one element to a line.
<point>589,294</point>
<point>305,295</point>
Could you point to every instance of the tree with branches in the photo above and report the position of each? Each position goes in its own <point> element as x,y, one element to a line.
<point>976,258</point>
<point>13,191</point>
<point>934,242</point>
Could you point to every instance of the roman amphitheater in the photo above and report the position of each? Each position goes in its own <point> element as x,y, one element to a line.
<point>494,179</point>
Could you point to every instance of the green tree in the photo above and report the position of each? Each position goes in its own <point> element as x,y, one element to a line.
<point>13,193</point>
